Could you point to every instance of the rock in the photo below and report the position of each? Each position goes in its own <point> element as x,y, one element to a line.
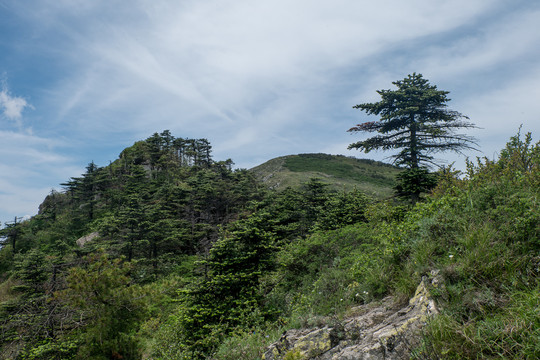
<point>87,238</point>
<point>383,330</point>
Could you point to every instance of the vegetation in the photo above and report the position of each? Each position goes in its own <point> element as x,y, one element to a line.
<point>340,173</point>
<point>194,260</point>
<point>413,118</point>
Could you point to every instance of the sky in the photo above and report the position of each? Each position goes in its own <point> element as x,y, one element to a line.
<point>81,80</point>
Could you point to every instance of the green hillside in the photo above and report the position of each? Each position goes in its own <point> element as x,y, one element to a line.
<point>169,254</point>
<point>340,172</point>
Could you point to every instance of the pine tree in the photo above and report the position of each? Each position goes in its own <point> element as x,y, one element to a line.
<point>110,306</point>
<point>415,119</point>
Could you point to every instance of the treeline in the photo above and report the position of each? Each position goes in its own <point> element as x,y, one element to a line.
<point>163,196</point>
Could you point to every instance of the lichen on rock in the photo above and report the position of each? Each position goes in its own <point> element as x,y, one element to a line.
<point>383,330</point>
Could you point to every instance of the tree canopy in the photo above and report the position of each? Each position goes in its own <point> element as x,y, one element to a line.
<point>415,119</point>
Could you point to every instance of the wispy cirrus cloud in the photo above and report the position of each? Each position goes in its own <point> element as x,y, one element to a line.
<point>259,79</point>
<point>226,68</point>
<point>30,166</point>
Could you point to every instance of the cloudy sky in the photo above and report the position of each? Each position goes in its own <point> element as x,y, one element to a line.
<point>80,80</point>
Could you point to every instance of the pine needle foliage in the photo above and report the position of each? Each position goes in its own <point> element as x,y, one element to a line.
<point>415,120</point>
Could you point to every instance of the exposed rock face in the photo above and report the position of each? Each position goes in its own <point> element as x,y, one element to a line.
<point>87,238</point>
<point>382,331</point>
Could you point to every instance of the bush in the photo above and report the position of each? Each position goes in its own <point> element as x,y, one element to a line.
<point>486,231</point>
<point>248,345</point>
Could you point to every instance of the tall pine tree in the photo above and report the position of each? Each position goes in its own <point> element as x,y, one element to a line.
<point>415,119</point>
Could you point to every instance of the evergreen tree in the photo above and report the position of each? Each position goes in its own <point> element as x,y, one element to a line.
<point>415,119</point>
<point>110,306</point>
<point>229,291</point>
<point>33,318</point>
<point>11,233</point>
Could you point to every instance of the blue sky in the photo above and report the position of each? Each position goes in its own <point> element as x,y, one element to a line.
<point>81,80</point>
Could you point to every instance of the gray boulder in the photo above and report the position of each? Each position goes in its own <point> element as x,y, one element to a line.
<point>381,330</point>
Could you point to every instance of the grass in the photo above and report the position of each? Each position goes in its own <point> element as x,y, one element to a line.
<point>343,167</point>
<point>247,345</point>
<point>340,172</point>
<point>509,333</point>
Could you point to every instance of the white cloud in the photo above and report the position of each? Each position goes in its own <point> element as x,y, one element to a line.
<point>486,48</point>
<point>12,106</point>
<point>500,111</point>
<point>20,201</point>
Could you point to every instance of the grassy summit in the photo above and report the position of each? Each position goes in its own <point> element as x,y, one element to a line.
<point>340,172</point>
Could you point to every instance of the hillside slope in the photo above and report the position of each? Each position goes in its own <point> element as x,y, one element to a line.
<point>168,254</point>
<point>340,172</point>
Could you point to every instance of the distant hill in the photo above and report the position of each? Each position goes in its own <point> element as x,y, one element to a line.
<point>340,172</point>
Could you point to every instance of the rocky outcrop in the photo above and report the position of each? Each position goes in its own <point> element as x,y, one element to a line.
<point>382,330</point>
<point>86,239</point>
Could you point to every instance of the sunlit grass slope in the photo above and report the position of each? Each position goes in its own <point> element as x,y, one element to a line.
<point>340,172</point>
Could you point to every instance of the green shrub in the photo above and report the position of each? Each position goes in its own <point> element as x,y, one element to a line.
<point>486,232</point>
<point>248,345</point>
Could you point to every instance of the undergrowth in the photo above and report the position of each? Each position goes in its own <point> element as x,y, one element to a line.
<point>486,231</point>
<point>480,231</point>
